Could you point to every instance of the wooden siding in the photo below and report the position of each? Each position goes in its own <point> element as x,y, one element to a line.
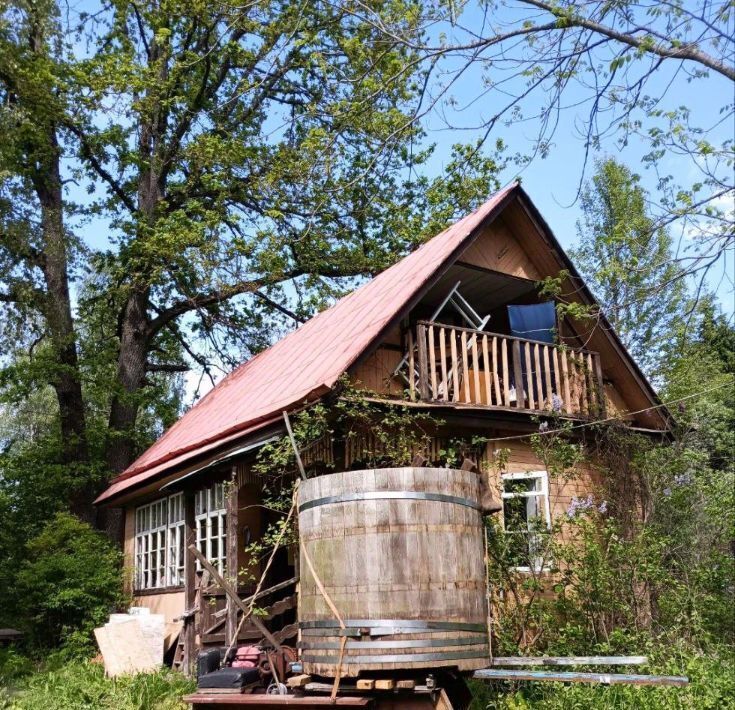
<point>497,248</point>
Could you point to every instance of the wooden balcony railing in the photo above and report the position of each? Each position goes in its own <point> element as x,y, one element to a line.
<point>461,365</point>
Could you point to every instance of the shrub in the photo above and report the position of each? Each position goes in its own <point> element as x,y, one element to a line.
<point>69,583</point>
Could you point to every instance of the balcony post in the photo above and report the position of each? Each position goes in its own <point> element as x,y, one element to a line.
<point>423,363</point>
<point>190,591</point>
<point>518,375</point>
<point>602,407</point>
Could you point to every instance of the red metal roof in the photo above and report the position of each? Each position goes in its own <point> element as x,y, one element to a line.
<point>303,365</point>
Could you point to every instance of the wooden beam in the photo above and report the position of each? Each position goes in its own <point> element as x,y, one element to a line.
<point>231,561</point>
<point>230,592</point>
<point>190,571</point>
<point>569,661</point>
<point>294,446</point>
<point>565,677</point>
<point>423,363</point>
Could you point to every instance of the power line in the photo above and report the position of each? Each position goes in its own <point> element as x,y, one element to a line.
<point>545,432</point>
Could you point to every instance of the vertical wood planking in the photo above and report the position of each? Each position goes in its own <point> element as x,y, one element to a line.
<point>423,363</point>
<point>476,371</point>
<point>455,368</point>
<point>443,356</point>
<point>567,408</point>
<point>190,591</point>
<point>465,367</point>
<point>547,376</point>
<point>486,371</point>
<point>529,376</point>
<point>496,379</point>
<point>591,386</point>
<point>432,363</point>
<point>557,373</point>
<point>538,377</point>
<point>411,367</point>
<point>518,375</point>
<point>600,386</point>
<point>231,555</point>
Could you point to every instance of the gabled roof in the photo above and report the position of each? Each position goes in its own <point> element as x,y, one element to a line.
<point>307,362</point>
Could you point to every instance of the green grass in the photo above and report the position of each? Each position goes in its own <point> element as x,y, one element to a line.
<point>80,685</point>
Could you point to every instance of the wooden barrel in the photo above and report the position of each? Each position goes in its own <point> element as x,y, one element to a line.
<point>399,551</point>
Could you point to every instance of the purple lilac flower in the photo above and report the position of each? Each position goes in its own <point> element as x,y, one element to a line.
<point>556,402</point>
<point>683,479</point>
<point>667,492</point>
<point>579,505</point>
<point>602,508</point>
<point>543,426</point>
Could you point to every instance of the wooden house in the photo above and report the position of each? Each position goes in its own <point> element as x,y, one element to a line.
<point>434,330</point>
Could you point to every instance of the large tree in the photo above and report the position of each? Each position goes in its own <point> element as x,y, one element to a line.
<point>655,77</point>
<point>247,161</point>
<point>628,263</point>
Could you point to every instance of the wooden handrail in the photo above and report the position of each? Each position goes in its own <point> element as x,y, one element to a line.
<point>466,366</point>
<point>460,328</point>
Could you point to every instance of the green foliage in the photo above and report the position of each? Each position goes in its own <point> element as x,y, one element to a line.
<point>626,260</point>
<point>82,685</point>
<point>69,583</point>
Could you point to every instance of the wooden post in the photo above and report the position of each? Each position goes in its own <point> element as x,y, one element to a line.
<point>600,386</point>
<point>423,363</point>
<point>518,375</point>
<point>190,568</point>
<point>231,561</point>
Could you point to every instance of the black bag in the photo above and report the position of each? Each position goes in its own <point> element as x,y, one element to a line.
<point>208,661</point>
<point>233,678</point>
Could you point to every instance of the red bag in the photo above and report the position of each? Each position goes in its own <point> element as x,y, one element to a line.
<point>247,657</point>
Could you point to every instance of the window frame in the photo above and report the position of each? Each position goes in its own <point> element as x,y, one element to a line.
<point>210,504</point>
<point>543,492</point>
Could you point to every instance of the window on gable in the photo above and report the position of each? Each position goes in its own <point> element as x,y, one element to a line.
<point>527,517</point>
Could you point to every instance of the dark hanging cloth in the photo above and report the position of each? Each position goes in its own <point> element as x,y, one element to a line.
<point>533,322</point>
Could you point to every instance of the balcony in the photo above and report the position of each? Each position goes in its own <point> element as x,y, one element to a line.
<point>448,364</point>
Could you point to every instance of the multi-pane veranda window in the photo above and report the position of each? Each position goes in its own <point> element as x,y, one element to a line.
<point>527,517</point>
<point>211,528</point>
<point>159,543</point>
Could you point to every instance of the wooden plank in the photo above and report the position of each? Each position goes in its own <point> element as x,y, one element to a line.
<point>365,683</point>
<point>538,377</point>
<point>262,700</point>
<point>432,363</point>
<point>298,681</point>
<point>505,374</point>
<point>423,363</point>
<point>498,399</point>
<point>190,592</point>
<point>475,369</point>
<point>567,408</point>
<point>231,560</point>
<point>518,375</point>
<point>557,372</point>
<point>529,377</point>
<point>227,588</point>
<point>385,684</point>
<point>547,377</point>
<point>455,366</point>
<point>569,661</point>
<point>486,370</point>
<point>405,684</point>
<point>443,355</point>
<point>411,367</point>
<point>567,677</point>
<point>601,404</point>
<point>465,367</point>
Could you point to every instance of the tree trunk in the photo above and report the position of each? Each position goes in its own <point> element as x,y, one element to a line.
<point>57,310</point>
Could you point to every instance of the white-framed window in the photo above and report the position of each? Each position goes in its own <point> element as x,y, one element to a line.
<point>152,544</point>
<point>211,524</point>
<point>527,517</point>
<point>176,541</point>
